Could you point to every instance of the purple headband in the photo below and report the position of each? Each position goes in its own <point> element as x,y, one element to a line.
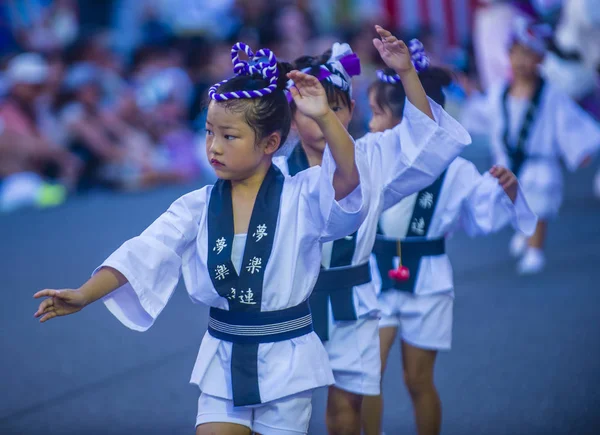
<point>418,58</point>
<point>349,63</point>
<point>267,69</point>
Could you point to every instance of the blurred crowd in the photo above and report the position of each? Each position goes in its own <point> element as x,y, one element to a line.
<point>111,94</point>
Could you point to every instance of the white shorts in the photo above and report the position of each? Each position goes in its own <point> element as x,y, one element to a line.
<point>424,321</point>
<point>286,416</point>
<point>353,349</point>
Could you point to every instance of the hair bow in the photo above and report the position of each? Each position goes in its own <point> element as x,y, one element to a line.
<point>256,64</point>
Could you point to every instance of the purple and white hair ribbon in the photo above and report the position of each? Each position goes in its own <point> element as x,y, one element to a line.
<point>339,69</point>
<point>267,69</point>
<point>418,58</point>
<point>417,55</point>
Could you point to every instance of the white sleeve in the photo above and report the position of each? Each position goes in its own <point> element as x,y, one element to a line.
<point>413,154</point>
<point>152,262</point>
<point>336,219</point>
<point>577,133</point>
<point>487,208</point>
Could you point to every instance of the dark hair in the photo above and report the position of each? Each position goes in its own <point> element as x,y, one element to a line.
<point>265,115</point>
<point>334,94</point>
<point>392,96</point>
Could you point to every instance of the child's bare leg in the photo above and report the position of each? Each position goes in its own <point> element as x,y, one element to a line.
<point>222,429</point>
<point>418,376</point>
<point>372,407</point>
<point>343,412</point>
<point>539,237</point>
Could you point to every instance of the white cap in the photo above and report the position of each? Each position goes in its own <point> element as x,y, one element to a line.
<point>27,68</point>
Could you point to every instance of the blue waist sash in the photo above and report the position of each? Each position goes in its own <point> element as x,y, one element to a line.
<point>336,285</point>
<point>260,326</point>
<point>412,250</point>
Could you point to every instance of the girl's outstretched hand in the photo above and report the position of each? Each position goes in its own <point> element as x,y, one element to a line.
<point>309,95</point>
<point>507,180</point>
<point>393,51</point>
<point>58,303</point>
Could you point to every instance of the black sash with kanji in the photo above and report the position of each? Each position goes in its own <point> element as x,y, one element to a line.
<point>517,154</point>
<point>420,222</point>
<point>342,300</point>
<point>243,292</point>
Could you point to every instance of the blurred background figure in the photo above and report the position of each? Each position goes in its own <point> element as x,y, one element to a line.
<point>33,169</point>
<point>127,79</point>
<point>491,35</point>
<point>43,25</point>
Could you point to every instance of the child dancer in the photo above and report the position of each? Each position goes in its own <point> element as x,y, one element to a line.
<point>344,302</point>
<point>417,294</point>
<point>247,248</point>
<point>532,126</point>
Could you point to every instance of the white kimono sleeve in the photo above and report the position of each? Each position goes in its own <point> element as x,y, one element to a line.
<point>413,154</point>
<point>577,133</point>
<point>152,262</point>
<point>487,208</point>
<point>337,219</point>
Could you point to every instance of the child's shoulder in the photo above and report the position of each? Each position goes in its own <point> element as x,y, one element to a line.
<point>197,199</point>
<point>302,176</point>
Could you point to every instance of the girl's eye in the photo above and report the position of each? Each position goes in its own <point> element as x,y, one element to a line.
<point>229,137</point>
<point>209,132</point>
<point>336,108</point>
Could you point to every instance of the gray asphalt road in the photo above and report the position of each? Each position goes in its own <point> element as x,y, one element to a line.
<point>526,356</point>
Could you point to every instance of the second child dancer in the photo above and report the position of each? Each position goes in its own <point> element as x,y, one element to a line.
<point>344,302</point>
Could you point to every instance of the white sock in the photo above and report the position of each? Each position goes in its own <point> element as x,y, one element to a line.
<point>533,261</point>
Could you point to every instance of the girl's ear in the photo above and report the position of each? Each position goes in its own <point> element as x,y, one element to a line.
<point>272,143</point>
<point>352,106</point>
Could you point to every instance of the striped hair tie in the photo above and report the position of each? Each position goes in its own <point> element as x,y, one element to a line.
<point>256,64</point>
<point>418,58</point>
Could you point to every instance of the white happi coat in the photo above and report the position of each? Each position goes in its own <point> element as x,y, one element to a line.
<point>176,243</point>
<point>468,200</point>
<point>561,130</point>
<point>395,174</point>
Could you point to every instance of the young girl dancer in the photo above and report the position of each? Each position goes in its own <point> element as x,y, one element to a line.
<point>417,294</point>
<point>248,247</point>
<point>344,302</point>
<point>532,126</point>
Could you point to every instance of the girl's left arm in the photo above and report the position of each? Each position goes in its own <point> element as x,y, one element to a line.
<point>311,100</point>
<point>492,201</point>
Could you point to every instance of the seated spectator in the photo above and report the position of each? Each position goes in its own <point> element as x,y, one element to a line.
<point>166,112</point>
<point>25,153</point>
<point>88,133</point>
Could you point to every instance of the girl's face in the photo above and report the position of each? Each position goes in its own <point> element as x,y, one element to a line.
<point>524,61</point>
<point>382,119</point>
<point>232,148</point>
<point>308,130</point>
